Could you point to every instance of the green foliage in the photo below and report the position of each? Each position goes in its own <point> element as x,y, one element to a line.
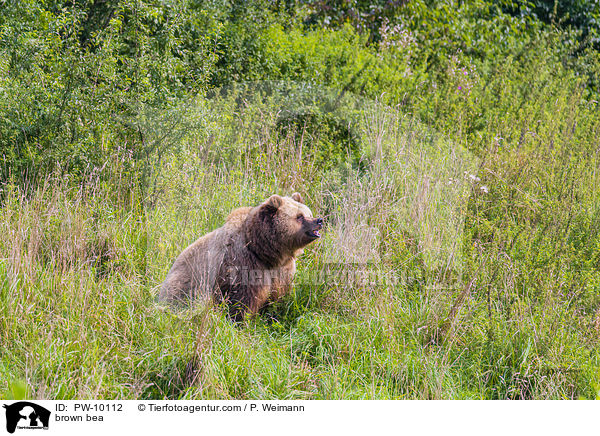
<point>115,157</point>
<point>364,16</point>
<point>73,76</point>
<point>17,390</point>
<point>581,15</point>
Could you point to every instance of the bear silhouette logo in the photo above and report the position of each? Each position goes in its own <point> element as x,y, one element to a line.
<point>24,414</point>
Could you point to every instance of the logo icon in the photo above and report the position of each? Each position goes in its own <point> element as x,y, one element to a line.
<point>26,415</point>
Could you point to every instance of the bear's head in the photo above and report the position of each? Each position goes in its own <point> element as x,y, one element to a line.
<point>280,227</point>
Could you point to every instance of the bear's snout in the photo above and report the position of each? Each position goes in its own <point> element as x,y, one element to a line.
<point>314,226</point>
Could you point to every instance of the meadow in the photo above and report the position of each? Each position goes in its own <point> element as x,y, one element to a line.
<point>457,168</point>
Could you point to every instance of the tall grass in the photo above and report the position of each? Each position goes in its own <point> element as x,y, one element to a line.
<point>495,298</point>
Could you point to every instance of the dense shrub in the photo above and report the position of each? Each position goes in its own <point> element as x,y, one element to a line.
<point>74,76</point>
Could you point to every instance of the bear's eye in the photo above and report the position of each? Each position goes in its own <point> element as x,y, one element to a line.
<point>300,217</point>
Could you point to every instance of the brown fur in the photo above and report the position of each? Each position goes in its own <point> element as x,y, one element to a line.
<point>247,262</point>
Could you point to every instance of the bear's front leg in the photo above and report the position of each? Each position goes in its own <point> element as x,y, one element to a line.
<point>248,302</point>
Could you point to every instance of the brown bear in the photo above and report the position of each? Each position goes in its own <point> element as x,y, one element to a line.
<point>249,261</point>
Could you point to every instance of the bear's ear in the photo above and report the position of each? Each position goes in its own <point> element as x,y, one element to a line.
<point>297,197</point>
<point>271,205</point>
<point>274,202</point>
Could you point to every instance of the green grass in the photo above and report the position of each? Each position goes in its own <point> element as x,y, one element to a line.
<point>516,315</point>
<point>465,177</point>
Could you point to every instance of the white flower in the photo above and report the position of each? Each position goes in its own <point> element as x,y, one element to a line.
<point>471,177</point>
<point>484,189</point>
